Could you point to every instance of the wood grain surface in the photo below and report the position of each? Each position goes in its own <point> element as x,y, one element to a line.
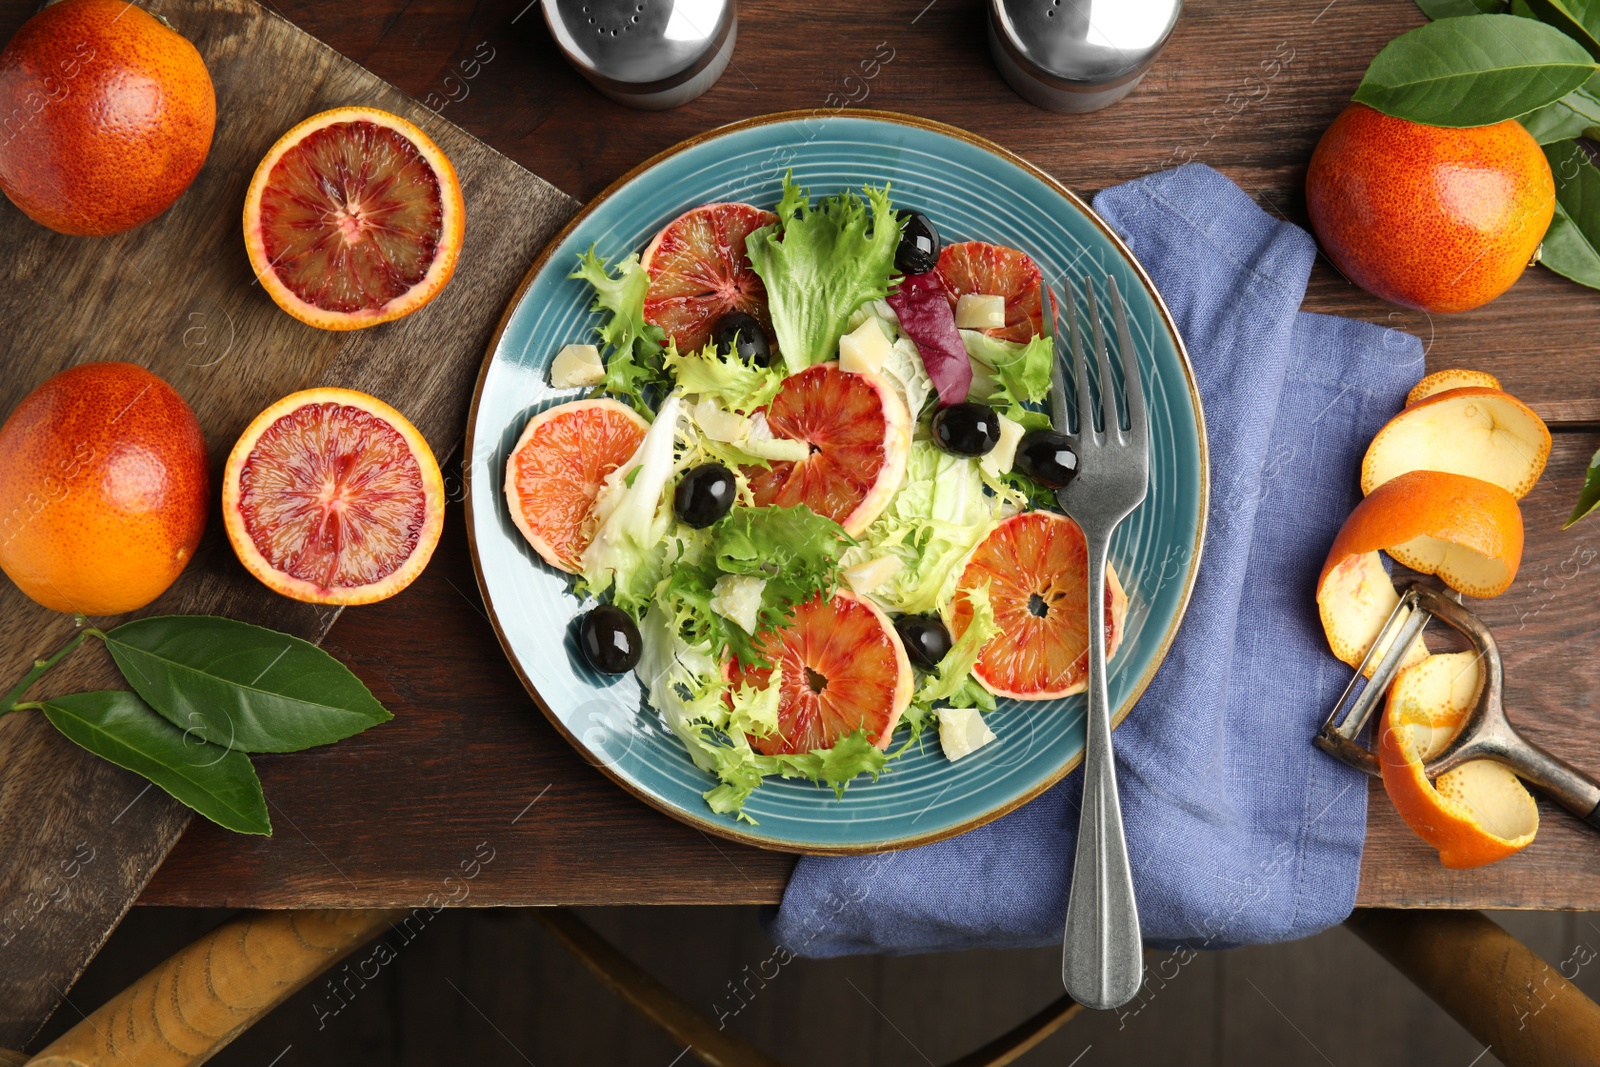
<point>385,818</point>
<point>1245,88</point>
<point>177,295</point>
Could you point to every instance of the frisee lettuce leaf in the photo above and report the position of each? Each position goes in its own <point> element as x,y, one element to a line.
<point>740,769</point>
<point>632,346</point>
<point>820,263</point>
<point>715,720</point>
<point>940,513</point>
<point>953,683</point>
<point>794,549</point>
<point>1015,378</point>
<point>740,386</point>
<point>629,550</point>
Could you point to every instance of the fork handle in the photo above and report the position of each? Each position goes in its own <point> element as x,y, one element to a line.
<point>1102,956</point>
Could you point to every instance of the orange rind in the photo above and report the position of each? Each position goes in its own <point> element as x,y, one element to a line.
<point>1474,814</point>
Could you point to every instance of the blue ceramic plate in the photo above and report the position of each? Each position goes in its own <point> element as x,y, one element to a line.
<point>973,190</point>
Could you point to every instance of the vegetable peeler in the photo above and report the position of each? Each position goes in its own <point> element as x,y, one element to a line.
<point>1487,733</point>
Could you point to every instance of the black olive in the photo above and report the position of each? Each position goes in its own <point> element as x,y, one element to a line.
<point>742,335</point>
<point>966,429</point>
<point>925,637</point>
<point>610,640</point>
<point>919,244</point>
<point>704,495</point>
<point>1047,457</point>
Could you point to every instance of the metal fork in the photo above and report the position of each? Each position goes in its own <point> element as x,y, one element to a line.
<point>1102,962</point>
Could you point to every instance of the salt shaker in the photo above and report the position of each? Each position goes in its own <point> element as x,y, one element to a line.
<point>1078,55</point>
<point>650,54</point>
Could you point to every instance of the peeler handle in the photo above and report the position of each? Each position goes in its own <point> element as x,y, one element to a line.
<point>1558,779</point>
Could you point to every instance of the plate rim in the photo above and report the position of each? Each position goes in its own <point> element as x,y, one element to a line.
<point>733,832</point>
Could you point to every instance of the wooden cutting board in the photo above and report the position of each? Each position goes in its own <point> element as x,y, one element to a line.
<point>78,837</point>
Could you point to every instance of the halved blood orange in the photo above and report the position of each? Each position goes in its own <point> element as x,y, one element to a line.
<point>558,468</point>
<point>860,435</point>
<point>844,669</point>
<point>699,272</point>
<point>331,496</point>
<point>1036,565</point>
<point>354,218</point>
<point>995,270</point>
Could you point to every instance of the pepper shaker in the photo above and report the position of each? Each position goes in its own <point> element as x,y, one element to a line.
<point>649,54</point>
<point>1078,55</point>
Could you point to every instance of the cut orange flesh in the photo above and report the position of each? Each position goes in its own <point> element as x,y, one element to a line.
<point>995,270</point>
<point>1036,567</point>
<point>843,669</point>
<point>699,272</point>
<point>558,468</point>
<point>332,497</point>
<point>354,218</point>
<point>860,436</point>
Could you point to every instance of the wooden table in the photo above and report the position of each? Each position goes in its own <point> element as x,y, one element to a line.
<point>469,763</point>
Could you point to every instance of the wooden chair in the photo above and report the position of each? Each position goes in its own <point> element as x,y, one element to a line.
<point>198,1001</point>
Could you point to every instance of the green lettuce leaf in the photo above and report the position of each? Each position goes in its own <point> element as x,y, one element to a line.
<point>740,769</point>
<point>740,386</point>
<point>794,545</point>
<point>820,263</point>
<point>940,513</point>
<point>629,552</point>
<point>795,550</point>
<point>1012,378</point>
<point>953,683</point>
<point>631,346</point>
<point>716,719</point>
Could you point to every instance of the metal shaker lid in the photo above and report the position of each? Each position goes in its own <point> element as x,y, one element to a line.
<point>635,43</point>
<point>1083,43</point>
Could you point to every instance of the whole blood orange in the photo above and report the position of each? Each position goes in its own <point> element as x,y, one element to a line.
<point>1037,568</point>
<point>103,489</point>
<point>844,669</point>
<point>558,468</point>
<point>860,436</point>
<point>699,272</point>
<point>354,218</point>
<point>331,496</point>
<point>106,115</point>
<point>1433,218</point>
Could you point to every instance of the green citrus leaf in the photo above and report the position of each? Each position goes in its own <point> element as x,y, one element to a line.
<point>1574,115</point>
<point>118,726</point>
<point>1474,71</point>
<point>1589,498</point>
<point>1449,9</point>
<point>1578,19</point>
<point>1572,244</point>
<point>242,686</point>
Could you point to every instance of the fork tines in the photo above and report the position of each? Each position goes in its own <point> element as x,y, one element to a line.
<point>1112,429</point>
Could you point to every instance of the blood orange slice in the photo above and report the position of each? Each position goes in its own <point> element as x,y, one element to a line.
<point>699,272</point>
<point>844,669</point>
<point>860,435</point>
<point>353,218</point>
<point>995,270</point>
<point>332,497</point>
<point>1036,565</point>
<point>557,469</point>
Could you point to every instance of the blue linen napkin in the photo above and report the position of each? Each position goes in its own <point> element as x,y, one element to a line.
<point>1239,830</point>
